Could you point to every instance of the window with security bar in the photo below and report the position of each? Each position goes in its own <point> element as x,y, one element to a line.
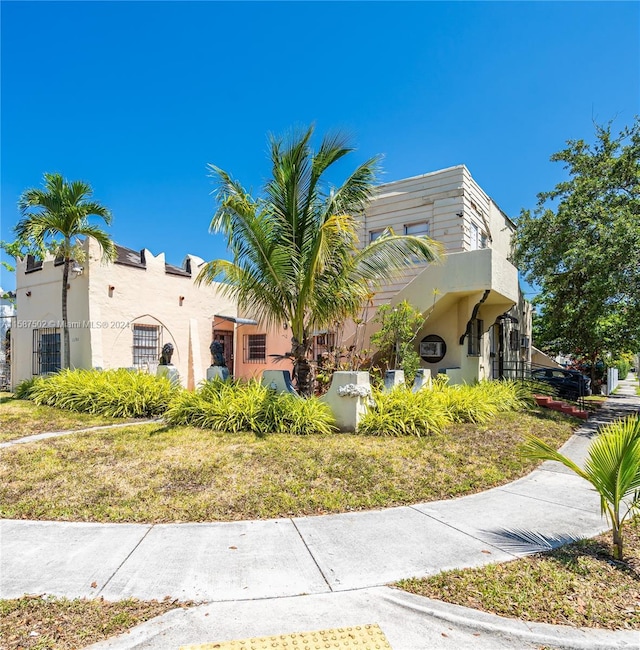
<point>147,345</point>
<point>46,351</point>
<point>255,348</point>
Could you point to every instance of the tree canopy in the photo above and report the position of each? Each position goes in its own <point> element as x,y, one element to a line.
<point>581,247</point>
<point>296,259</point>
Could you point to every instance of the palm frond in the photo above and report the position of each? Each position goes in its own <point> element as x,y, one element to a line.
<point>391,253</point>
<point>105,242</point>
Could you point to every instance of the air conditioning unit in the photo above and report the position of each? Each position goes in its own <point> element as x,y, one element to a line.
<point>524,342</point>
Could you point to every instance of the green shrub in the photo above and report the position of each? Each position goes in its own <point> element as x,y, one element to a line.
<point>25,387</point>
<point>623,366</point>
<point>301,416</point>
<point>237,406</point>
<point>402,412</point>
<point>480,402</point>
<point>112,393</point>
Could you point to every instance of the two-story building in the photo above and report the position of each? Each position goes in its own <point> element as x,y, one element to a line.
<point>121,314</point>
<point>478,325</point>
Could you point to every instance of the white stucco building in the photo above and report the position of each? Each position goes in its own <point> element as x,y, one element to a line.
<point>478,326</point>
<point>120,314</point>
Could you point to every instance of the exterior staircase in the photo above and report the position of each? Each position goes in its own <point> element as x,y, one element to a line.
<point>562,407</point>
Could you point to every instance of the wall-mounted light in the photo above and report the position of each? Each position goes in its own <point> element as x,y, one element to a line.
<point>111,290</point>
<point>77,269</point>
<point>28,293</point>
<point>180,300</point>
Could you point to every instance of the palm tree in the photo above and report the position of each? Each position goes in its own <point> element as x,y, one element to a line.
<point>612,467</point>
<point>57,215</point>
<point>295,248</point>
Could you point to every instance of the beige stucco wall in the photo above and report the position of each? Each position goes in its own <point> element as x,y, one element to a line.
<point>104,304</point>
<point>39,306</point>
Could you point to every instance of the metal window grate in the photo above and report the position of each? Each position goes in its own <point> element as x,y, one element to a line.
<point>46,351</point>
<point>255,348</point>
<point>147,345</point>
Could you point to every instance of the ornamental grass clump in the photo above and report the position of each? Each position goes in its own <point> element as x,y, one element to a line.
<point>113,393</point>
<point>235,406</point>
<point>401,412</point>
<point>480,402</point>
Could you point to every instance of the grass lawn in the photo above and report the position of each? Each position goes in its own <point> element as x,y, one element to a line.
<point>46,623</point>
<point>19,418</point>
<point>579,584</point>
<point>153,473</point>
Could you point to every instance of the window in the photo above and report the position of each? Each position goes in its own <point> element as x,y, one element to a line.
<point>514,340</point>
<point>433,348</point>
<point>255,348</point>
<point>374,234</point>
<point>478,237</point>
<point>147,345</point>
<point>420,228</point>
<point>46,351</point>
<point>475,337</point>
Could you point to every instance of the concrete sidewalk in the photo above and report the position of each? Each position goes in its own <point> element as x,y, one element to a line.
<point>288,575</point>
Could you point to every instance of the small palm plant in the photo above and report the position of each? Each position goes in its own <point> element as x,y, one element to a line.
<point>612,467</point>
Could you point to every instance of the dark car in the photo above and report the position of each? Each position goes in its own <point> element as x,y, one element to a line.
<point>571,384</point>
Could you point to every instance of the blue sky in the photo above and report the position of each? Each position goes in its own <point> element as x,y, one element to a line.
<point>137,97</point>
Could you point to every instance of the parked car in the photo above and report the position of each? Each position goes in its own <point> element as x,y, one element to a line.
<point>571,384</point>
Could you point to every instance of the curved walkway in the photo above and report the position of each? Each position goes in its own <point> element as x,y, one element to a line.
<point>288,575</point>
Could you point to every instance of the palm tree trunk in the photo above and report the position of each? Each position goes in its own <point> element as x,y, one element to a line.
<point>65,322</point>
<point>301,366</point>
<point>617,540</point>
<point>304,377</point>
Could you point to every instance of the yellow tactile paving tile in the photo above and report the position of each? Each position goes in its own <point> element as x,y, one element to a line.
<point>359,637</point>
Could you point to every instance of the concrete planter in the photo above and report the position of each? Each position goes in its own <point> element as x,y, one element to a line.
<point>422,379</point>
<point>217,372</point>
<point>278,380</point>
<point>347,398</point>
<point>393,378</point>
<point>170,372</point>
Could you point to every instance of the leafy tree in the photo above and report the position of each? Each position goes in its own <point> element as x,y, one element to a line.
<point>581,246</point>
<point>295,247</point>
<point>612,467</point>
<point>53,218</point>
<point>394,340</point>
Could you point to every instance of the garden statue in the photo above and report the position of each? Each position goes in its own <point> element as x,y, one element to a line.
<point>167,352</point>
<point>217,354</point>
<point>218,368</point>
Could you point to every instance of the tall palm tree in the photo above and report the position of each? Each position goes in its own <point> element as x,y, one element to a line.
<point>295,250</point>
<point>56,216</point>
<point>612,467</point>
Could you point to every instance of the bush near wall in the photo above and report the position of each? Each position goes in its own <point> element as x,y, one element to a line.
<point>623,366</point>
<point>112,393</point>
<point>401,412</point>
<point>238,406</point>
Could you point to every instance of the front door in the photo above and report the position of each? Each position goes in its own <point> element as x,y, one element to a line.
<point>226,338</point>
